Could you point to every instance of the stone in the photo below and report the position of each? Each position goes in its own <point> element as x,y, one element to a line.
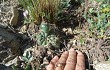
<point>9,46</point>
<point>11,62</point>
<point>9,13</point>
<point>3,67</point>
<point>14,18</point>
<point>103,65</point>
<point>23,29</point>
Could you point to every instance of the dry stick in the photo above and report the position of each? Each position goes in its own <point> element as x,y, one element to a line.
<point>86,6</point>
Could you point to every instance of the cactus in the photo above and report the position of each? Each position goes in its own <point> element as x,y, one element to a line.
<point>44,27</point>
<point>45,38</point>
<point>27,57</point>
<point>53,40</point>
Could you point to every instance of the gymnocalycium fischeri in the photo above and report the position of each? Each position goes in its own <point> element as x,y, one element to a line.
<point>45,38</point>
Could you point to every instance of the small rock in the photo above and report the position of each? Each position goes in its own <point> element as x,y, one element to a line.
<point>32,29</point>
<point>68,30</point>
<point>49,53</point>
<point>64,29</point>
<point>14,61</point>
<point>3,67</point>
<point>23,29</point>
<point>103,66</point>
<point>9,45</point>
<point>14,18</point>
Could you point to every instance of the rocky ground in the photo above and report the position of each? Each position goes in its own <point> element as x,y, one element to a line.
<point>16,38</point>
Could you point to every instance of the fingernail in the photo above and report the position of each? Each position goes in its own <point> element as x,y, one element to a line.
<point>65,52</point>
<point>79,52</point>
<point>72,49</point>
<point>48,66</point>
<point>56,57</point>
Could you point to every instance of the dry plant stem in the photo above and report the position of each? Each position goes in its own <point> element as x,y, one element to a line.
<point>86,6</point>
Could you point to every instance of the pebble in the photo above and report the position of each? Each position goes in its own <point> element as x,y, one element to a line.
<point>103,65</point>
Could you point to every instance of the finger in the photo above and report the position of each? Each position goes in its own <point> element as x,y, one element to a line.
<point>71,60</point>
<point>62,61</point>
<point>52,63</point>
<point>80,61</point>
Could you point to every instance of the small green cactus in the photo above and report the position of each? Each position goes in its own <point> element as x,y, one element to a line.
<point>44,27</point>
<point>45,38</point>
<point>27,56</point>
<point>53,40</point>
<point>42,39</point>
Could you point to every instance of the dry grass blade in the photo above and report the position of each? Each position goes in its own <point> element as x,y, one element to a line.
<point>42,8</point>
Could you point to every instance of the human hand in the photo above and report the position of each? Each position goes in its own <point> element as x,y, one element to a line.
<point>69,60</point>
